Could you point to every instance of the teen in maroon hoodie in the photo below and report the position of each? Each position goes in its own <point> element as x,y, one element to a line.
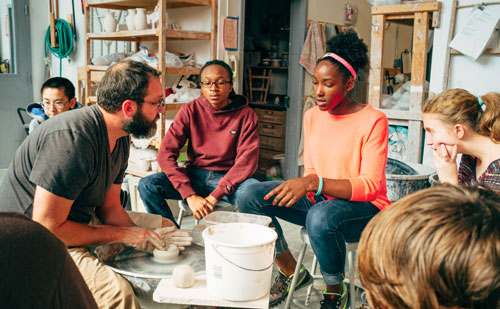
<point>223,149</point>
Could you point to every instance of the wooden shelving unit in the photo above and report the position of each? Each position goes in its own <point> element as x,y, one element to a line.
<point>160,35</point>
<point>419,15</point>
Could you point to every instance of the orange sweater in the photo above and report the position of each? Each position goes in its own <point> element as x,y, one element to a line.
<point>352,147</point>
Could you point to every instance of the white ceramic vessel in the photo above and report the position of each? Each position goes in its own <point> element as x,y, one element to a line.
<point>140,19</point>
<point>130,19</point>
<point>109,22</point>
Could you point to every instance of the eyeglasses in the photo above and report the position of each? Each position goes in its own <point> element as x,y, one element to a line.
<point>57,105</point>
<point>159,105</point>
<point>218,83</point>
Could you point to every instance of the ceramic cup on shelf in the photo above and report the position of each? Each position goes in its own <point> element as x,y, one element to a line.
<point>109,22</point>
<point>131,19</point>
<point>140,19</point>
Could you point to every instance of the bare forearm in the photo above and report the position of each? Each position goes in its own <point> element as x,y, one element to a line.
<point>116,216</point>
<point>76,234</point>
<point>338,188</point>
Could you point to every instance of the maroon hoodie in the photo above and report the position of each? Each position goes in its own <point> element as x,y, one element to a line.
<point>224,140</point>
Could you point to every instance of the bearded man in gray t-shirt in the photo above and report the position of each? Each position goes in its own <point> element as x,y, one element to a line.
<point>73,165</point>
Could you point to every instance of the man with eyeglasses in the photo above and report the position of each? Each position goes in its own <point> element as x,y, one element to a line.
<point>222,149</point>
<point>71,169</point>
<point>58,96</point>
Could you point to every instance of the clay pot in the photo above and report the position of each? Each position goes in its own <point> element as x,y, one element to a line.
<point>109,22</point>
<point>130,19</point>
<point>140,19</point>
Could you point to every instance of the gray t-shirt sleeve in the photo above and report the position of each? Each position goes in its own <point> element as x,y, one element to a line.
<point>60,167</point>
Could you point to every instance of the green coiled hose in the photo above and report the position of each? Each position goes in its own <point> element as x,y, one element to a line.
<point>64,38</point>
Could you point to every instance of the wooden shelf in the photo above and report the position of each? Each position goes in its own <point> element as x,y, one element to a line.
<point>173,106</point>
<point>402,114</point>
<point>408,9</point>
<point>271,68</point>
<point>179,34</point>
<point>149,4</point>
<point>93,73</point>
<point>138,174</point>
<point>182,70</point>
<point>97,67</point>
<point>149,35</point>
<point>98,71</point>
<point>126,35</point>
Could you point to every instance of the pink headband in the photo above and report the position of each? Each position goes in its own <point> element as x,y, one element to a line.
<point>341,60</point>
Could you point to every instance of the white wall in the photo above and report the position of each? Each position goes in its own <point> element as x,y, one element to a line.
<point>479,76</point>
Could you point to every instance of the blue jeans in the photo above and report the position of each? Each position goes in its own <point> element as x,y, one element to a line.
<point>329,224</point>
<point>155,188</point>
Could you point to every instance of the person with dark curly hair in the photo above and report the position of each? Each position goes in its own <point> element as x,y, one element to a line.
<point>344,185</point>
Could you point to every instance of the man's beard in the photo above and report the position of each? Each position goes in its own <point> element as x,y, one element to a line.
<point>139,126</point>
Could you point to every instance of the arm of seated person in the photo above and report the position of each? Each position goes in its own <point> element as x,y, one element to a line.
<point>291,191</point>
<point>199,206</point>
<point>52,211</point>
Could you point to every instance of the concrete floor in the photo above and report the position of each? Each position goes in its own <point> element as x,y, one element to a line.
<point>292,234</point>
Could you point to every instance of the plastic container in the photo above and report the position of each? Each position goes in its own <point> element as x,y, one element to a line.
<point>405,178</point>
<point>239,260</point>
<point>217,217</point>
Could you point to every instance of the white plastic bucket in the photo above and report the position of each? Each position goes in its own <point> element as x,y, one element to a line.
<point>239,258</point>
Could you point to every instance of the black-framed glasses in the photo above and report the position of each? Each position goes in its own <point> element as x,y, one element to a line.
<point>57,105</point>
<point>159,105</point>
<point>218,83</point>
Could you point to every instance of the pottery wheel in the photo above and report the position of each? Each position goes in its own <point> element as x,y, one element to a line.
<point>139,264</point>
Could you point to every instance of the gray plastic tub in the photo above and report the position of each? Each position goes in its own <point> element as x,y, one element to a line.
<point>405,178</point>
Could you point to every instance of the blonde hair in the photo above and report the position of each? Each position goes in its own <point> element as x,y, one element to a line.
<point>437,247</point>
<point>459,106</point>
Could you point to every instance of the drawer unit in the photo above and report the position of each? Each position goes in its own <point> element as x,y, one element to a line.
<point>271,129</point>
<point>271,116</point>
<point>272,143</point>
<point>268,154</point>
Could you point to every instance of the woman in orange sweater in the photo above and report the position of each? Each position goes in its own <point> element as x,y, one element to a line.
<point>344,185</point>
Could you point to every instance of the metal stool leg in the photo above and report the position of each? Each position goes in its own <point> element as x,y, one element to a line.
<point>351,265</point>
<point>295,276</point>
<point>313,273</point>
<point>179,218</point>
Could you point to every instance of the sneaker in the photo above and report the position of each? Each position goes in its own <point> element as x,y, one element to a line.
<point>336,301</point>
<point>280,288</point>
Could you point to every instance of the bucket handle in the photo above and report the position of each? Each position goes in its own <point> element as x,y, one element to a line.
<point>244,268</point>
